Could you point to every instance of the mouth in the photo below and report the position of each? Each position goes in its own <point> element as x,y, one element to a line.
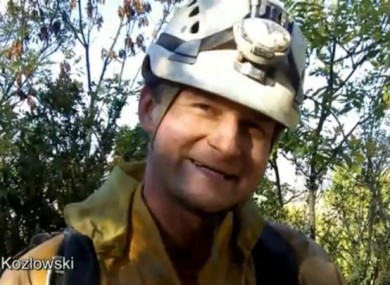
<point>225,175</point>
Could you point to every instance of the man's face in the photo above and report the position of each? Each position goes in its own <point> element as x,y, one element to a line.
<point>209,153</point>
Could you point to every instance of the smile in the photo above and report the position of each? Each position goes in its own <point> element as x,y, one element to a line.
<point>225,175</point>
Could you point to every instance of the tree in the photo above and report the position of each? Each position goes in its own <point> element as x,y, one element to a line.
<point>31,32</point>
<point>56,151</point>
<point>348,51</point>
<point>359,209</point>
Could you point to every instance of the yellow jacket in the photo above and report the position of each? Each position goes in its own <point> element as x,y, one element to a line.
<point>130,250</point>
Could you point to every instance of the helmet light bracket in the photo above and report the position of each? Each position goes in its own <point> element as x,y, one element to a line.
<point>263,40</point>
<point>262,74</point>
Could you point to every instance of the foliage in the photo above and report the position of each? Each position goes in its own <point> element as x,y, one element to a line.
<point>348,52</point>
<point>31,33</point>
<point>58,119</point>
<point>59,133</point>
<point>359,209</point>
<point>131,144</point>
<point>289,213</point>
<point>46,166</point>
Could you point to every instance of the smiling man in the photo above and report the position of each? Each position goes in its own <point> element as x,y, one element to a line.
<point>222,82</point>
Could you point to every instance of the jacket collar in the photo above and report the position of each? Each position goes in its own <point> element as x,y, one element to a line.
<point>104,215</point>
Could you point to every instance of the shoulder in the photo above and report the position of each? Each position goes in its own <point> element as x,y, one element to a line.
<point>315,265</point>
<point>43,251</point>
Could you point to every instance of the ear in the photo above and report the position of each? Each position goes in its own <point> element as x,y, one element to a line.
<point>147,108</point>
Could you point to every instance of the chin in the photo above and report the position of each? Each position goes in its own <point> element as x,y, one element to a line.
<point>207,205</point>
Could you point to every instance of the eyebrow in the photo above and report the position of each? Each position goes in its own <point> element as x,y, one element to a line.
<point>215,98</point>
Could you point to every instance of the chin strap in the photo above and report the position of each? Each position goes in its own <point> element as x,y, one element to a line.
<point>170,92</point>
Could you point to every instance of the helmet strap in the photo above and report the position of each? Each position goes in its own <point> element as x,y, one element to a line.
<point>168,94</point>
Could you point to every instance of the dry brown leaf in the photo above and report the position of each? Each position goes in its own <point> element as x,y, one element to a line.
<point>128,42</point>
<point>72,4</point>
<point>121,12</point>
<point>112,55</point>
<point>17,48</point>
<point>139,6</point>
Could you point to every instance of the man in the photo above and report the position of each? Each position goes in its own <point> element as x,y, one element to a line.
<point>221,84</point>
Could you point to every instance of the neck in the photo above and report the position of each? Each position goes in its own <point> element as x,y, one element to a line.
<point>183,231</point>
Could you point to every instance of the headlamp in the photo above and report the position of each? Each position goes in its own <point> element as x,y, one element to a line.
<point>263,40</point>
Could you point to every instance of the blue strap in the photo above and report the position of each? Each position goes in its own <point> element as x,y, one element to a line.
<point>85,269</point>
<point>274,260</point>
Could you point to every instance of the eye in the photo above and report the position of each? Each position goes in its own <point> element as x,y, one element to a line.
<point>203,106</point>
<point>251,124</point>
<point>254,126</point>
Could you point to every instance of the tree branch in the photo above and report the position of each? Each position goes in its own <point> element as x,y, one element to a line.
<point>274,165</point>
<point>84,42</point>
<point>106,60</point>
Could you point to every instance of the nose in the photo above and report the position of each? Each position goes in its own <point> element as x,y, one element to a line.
<point>225,137</point>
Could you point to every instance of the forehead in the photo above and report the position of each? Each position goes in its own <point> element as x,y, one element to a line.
<point>190,94</point>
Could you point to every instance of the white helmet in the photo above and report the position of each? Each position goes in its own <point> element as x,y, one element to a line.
<point>247,51</point>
